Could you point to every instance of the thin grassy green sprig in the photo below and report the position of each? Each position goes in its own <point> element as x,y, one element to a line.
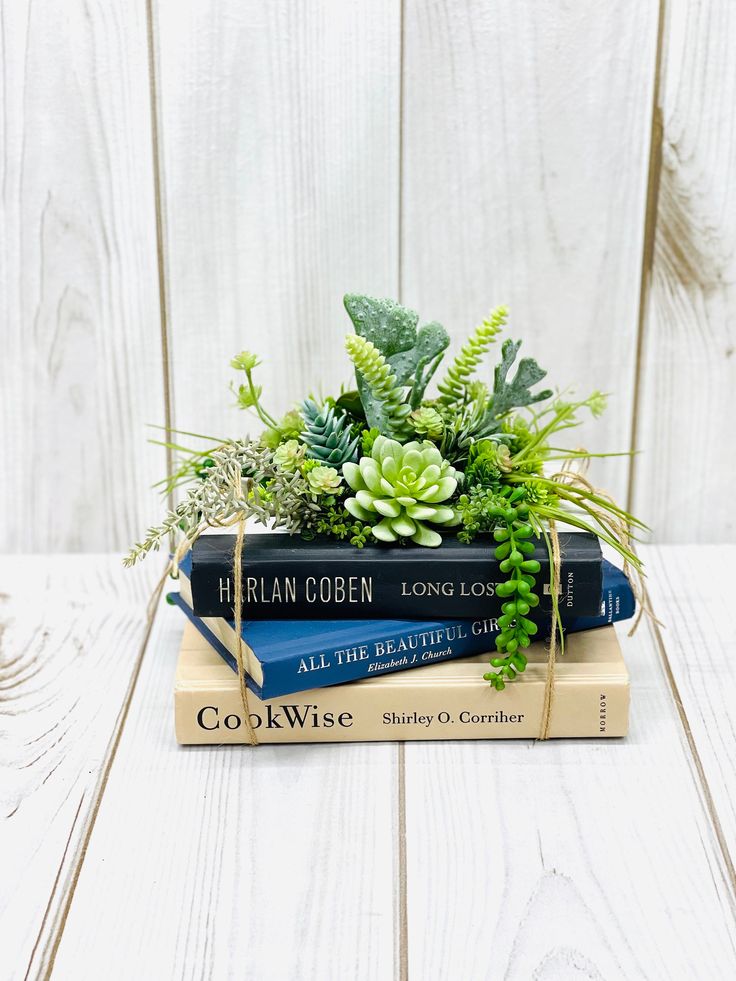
<point>564,416</point>
<point>191,464</point>
<point>453,387</point>
<point>586,510</point>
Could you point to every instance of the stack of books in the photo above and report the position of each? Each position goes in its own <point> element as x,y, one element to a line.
<point>343,644</point>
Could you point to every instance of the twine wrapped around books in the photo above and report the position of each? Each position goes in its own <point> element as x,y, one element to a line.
<point>238,582</point>
<point>573,474</point>
<point>172,568</point>
<point>616,527</point>
<point>549,685</point>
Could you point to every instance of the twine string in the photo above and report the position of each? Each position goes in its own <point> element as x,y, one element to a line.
<point>172,568</point>
<point>617,527</point>
<point>238,581</point>
<point>549,686</point>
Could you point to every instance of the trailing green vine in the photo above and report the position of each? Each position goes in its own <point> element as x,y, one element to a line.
<point>514,552</point>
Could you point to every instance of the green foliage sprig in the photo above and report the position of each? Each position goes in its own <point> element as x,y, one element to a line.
<point>386,461</point>
<point>385,405</point>
<point>454,385</point>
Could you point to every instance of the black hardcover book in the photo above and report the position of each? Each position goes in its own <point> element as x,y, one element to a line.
<point>287,578</point>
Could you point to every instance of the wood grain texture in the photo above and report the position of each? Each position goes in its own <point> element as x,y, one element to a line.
<point>271,863</point>
<point>526,139</point>
<point>688,377</point>
<point>568,859</point>
<point>68,655</point>
<point>80,371</point>
<point>691,588</point>
<point>281,158</point>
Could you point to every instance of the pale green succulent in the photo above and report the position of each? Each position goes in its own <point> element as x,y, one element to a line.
<point>289,455</point>
<point>427,421</point>
<point>323,480</point>
<point>402,488</point>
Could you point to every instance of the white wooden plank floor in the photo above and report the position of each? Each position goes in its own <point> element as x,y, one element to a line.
<point>125,856</point>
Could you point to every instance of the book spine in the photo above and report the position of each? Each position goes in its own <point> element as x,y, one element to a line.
<point>425,643</point>
<point>367,712</point>
<point>283,588</point>
<point>617,601</point>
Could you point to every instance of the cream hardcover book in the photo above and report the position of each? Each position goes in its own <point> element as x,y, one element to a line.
<point>447,700</point>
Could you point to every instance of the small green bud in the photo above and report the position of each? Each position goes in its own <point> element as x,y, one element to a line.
<point>245,361</point>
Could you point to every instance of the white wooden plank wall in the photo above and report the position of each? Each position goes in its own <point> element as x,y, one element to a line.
<point>526,140</point>
<point>455,154</point>
<point>286,196</point>
<point>692,591</point>
<point>80,368</point>
<point>684,478</point>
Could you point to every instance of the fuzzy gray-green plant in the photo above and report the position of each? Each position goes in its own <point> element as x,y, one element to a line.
<point>232,487</point>
<point>413,355</point>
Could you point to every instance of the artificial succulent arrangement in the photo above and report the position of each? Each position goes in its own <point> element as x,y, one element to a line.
<point>385,461</point>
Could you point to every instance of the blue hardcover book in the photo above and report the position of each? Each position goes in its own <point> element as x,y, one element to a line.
<point>287,656</point>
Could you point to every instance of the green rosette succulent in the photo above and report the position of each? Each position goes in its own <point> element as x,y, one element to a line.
<point>403,488</point>
<point>427,421</point>
<point>323,480</point>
